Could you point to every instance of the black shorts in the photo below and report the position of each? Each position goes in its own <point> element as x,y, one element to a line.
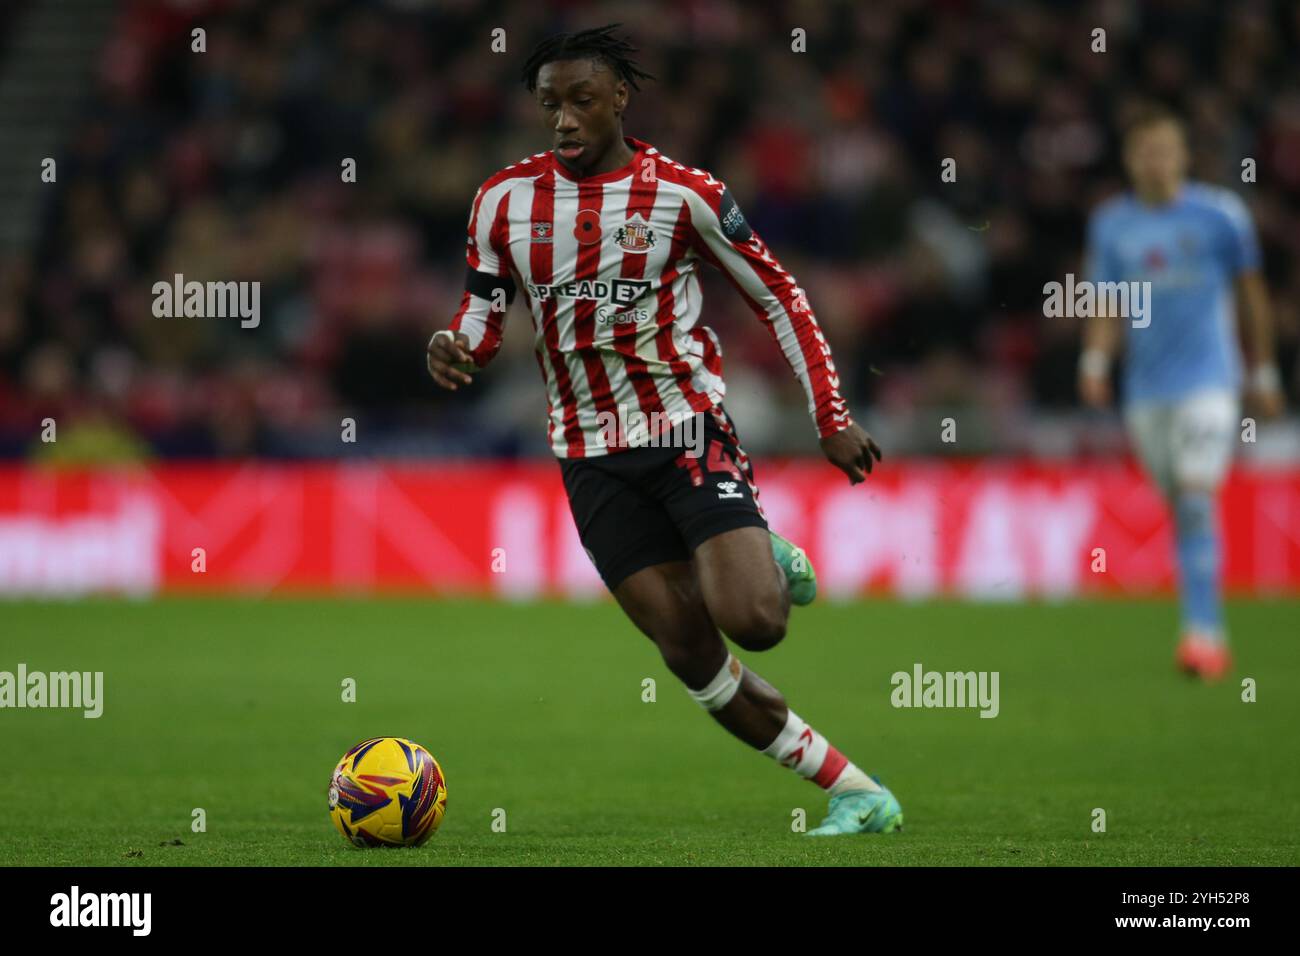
<point>639,507</point>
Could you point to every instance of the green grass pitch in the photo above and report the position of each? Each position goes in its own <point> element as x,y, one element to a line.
<point>235,706</point>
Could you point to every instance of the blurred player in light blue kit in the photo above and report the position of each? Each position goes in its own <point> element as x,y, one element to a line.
<point>1195,243</point>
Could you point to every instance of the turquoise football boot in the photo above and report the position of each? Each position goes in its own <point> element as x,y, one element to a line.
<point>861,811</point>
<point>799,573</point>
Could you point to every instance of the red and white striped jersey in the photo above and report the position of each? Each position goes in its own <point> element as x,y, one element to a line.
<point>608,265</point>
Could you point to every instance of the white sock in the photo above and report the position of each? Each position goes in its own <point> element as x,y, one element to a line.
<point>851,778</point>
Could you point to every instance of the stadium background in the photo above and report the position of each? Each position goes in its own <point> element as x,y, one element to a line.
<point>198,456</point>
<point>226,165</point>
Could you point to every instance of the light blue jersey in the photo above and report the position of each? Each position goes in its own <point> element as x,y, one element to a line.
<point>1190,250</point>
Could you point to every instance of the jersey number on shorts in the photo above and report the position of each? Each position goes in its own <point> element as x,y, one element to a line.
<point>716,460</point>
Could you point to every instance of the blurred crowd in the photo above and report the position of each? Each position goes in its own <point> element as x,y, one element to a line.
<point>227,164</point>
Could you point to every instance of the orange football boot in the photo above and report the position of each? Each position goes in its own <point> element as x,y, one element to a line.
<point>1200,656</point>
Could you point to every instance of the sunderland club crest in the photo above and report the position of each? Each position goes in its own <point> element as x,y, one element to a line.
<point>635,235</point>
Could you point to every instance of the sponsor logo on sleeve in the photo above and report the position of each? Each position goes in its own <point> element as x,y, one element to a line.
<point>733,222</point>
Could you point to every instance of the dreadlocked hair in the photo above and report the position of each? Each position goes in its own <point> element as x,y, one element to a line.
<point>598,43</point>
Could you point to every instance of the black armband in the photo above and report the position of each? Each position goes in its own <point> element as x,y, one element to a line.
<point>485,286</point>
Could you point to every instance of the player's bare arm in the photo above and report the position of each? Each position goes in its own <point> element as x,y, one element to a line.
<point>1263,383</point>
<point>1101,341</point>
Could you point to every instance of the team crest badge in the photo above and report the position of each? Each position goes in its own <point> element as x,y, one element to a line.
<point>635,235</point>
<point>541,232</point>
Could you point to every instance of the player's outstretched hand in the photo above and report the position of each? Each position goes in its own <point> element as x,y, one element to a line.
<point>851,451</point>
<point>447,350</point>
<point>1265,402</point>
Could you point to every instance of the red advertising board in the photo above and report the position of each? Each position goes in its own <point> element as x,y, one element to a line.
<point>987,529</point>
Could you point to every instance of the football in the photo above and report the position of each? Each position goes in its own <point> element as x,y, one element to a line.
<point>387,791</point>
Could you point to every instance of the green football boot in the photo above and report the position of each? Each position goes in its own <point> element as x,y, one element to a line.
<point>799,573</point>
<point>861,811</point>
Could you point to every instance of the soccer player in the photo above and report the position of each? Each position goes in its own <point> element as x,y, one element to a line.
<point>605,235</point>
<point>1196,245</point>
